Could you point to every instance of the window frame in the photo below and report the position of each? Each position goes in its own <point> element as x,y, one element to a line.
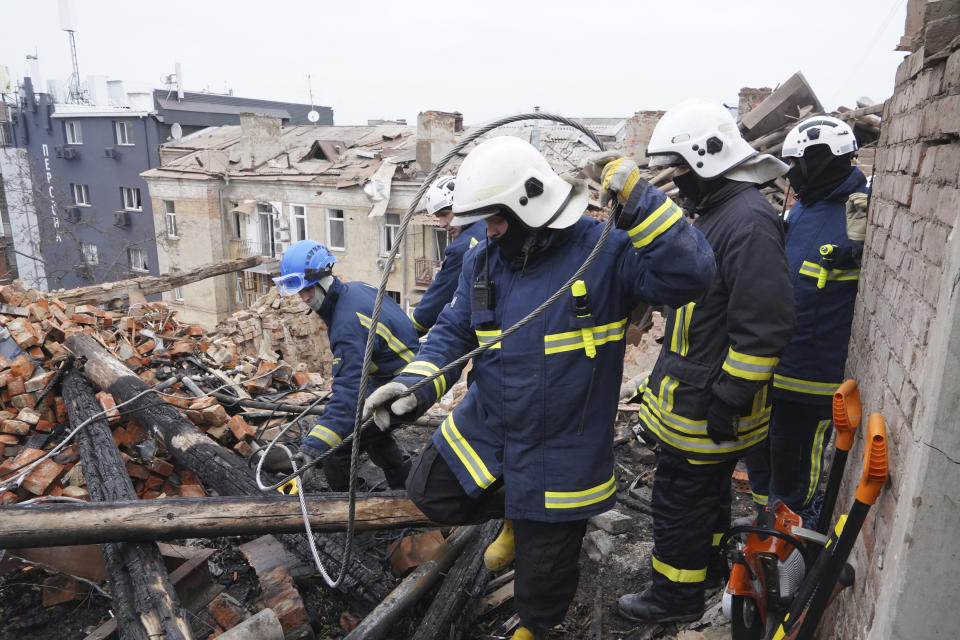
<point>177,294</point>
<point>389,232</point>
<point>441,240</point>
<point>296,219</point>
<point>131,191</point>
<point>143,259</point>
<point>170,217</point>
<point>128,133</point>
<point>329,217</point>
<point>84,191</point>
<point>90,253</point>
<point>73,132</point>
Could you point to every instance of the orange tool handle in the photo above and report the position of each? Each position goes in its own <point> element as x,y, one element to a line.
<point>874,461</point>
<point>846,413</point>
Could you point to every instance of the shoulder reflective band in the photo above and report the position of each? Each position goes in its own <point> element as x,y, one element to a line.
<point>395,345</point>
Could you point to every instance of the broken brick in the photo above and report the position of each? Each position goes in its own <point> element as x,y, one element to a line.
<point>15,427</point>
<point>414,550</point>
<point>215,415</point>
<point>8,497</point>
<point>160,466</point>
<point>16,386</point>
<point>147,347</point>
<point>135,470</point>
<point>301,378</point>
<point>154,482</point>
<point>227,611</point>
<point>203,403</point>
<point>240,429</point>
<point>192,491</point>
<point>281,595</point>
<point>38,382</point>
<point>242,448</point>
<point>109,405</point>
<point>182,349</point>
<point>78,493</point>
<point>195,331</point>
<point>28,400</point>
<point>44,426</point>
<point>40,479</point>
<point>261,381</point>
<point>30,416</point>
<point>84,319</point>
<point>61,409</point>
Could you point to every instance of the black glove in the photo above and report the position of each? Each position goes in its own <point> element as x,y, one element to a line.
<point>722,421</point>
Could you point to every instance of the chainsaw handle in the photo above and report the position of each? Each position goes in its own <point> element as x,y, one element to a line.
<point>846,413</point>
<point>875,472</point>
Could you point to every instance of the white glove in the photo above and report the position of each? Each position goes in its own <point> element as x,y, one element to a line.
<point>857,217</point>
<point>596,162</point>
<point>385,404</point>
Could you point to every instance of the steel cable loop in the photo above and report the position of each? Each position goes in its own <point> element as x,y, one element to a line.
<point>359,424</point>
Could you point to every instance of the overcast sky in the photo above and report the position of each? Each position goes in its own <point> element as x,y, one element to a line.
<point>388,59</point>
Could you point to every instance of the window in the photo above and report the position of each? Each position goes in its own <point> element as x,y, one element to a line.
<point>138,259</point>
<point>4,134</point>
<point>266,246</point>
<point>299,214</point>
<point>391,224</point>
<point>336,231</point>
<point>171,215</point>
<point>74,135</point>
<point>124,132</point>
<point>235,230</point>
<point>178,294</point>
<point>81,194</point>
<point>131,198</point>
<point>238,284</point>
<point>440,241</point>
<point>393,294</point>
<point>90,255</point>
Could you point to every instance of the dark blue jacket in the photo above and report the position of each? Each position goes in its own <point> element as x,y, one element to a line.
<point>347,310</point>
<point>811,368</point>
<point>444,283</point>
<point>540,412</point>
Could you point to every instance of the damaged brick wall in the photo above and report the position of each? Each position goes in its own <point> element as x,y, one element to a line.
<point>279,327</point>
<point>751,97</point>
<point>915,205</point>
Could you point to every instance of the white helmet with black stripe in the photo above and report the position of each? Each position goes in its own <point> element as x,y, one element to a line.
<point>440,195</point>
<point>833,132</point>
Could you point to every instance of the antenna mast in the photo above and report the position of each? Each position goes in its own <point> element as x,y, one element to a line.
<point>66,24</point>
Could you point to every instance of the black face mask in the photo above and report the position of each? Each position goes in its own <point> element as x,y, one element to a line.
<point>511,242</point>
<point>818,173</point>
<point>689,186</point>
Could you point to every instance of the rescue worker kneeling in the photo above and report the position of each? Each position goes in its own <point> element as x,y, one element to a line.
<point>538,419</point>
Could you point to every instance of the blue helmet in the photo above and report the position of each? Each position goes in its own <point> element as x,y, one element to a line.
<point>304,264</point>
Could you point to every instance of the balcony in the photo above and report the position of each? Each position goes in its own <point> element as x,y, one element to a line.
<point>424,270</point>
<point>240,248</point>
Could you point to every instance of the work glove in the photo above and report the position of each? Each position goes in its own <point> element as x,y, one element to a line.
<point>306,457</point>
<point>857,217</point>
<point>629,390</point>
<point>618,176</point>
<point>723,421</point>
<point>386,404</point>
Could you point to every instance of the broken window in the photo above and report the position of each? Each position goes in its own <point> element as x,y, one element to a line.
<point>90,255</point>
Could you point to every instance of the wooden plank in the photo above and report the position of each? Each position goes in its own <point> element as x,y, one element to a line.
<point>495,599</point>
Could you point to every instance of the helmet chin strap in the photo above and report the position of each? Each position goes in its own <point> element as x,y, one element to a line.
<point>320,293</point>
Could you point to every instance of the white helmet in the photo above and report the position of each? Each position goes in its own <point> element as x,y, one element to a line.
<point>507,173</point>
<point>440,194</point>
<point>704,134</point>
<point>820,130</point>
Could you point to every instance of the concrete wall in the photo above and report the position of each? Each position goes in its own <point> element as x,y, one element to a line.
<point>905,355</point>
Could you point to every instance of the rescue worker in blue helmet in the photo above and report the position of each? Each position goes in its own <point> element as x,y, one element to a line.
<point>707,401</point>
<point>346,308</point>
<point>825,234</point>
<point>532,439</point>
<point>439,199</point>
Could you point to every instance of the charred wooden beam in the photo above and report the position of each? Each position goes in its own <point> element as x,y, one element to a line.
<point>146,603</point>
<point>110,292</point>
<point>132,520</point>
<point>218,469</point>
<point>378,622</point>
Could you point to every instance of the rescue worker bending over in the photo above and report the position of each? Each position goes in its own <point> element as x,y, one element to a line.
<point>538,419</point>
<point>707,400</point>
<point>440,204</point>
<point>823,251</point>
<point>346,308</point>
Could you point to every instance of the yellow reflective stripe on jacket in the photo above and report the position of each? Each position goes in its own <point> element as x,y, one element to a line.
<point>328,436</point>
<point>749,367</point>
<point>680,340</point>
<point>715,541</point>
<point>395,345</point>
<point>427,369</point>
<point>571,340</point>
<point>759,498</point>
<point>468,456</point>
<point>474,242</point>
<point>573,499</point>
<point>655,224</point>
<point>419,327</point>
<point>678,575</point>
<point>816,456</point>
<point>805,386</point>
<point>483,337</point>
<point>812,269</point>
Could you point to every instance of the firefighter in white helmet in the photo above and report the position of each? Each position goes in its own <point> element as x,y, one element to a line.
<point>439,199</point>
<point>707,400</point>
<point>532,439</point>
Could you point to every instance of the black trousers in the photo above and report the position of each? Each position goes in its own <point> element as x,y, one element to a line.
<point>691,508</point>
<point>383,451</point>
<point>789,465</point>
<point>547,553</point>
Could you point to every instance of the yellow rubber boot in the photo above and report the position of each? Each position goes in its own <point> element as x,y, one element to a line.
<point>522,633</point>
<point>500,552</point>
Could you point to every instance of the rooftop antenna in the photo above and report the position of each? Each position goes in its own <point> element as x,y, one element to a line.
<point>313,116</point>
<point>67,24</point>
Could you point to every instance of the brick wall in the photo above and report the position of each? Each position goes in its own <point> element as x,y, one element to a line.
<point>914,207</point>
<point>750,97</point>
